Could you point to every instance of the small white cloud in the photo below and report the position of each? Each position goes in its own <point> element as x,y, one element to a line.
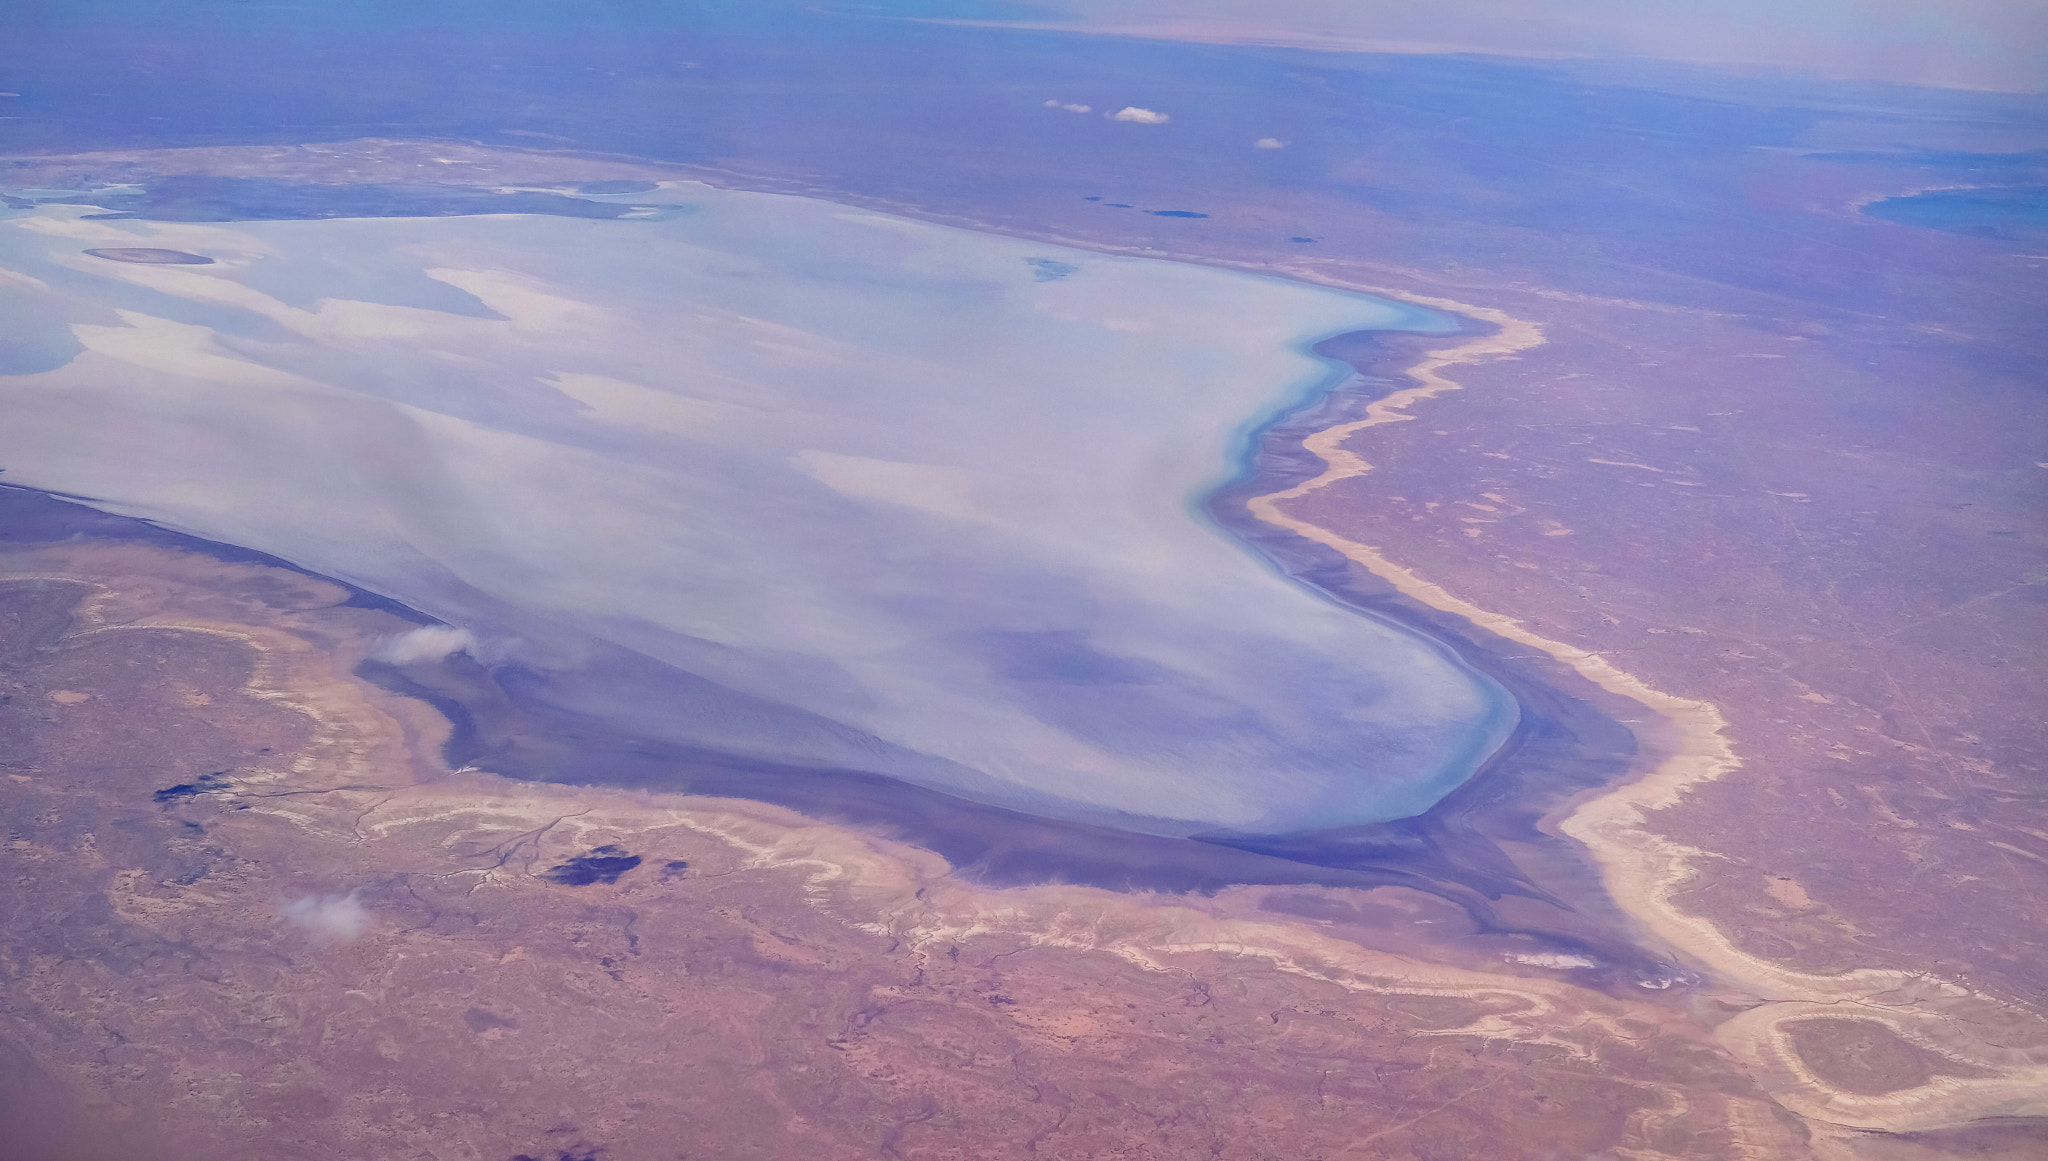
<point>428,643</point>
<point>1141,116</point>
<point>1269,143</point>
<point>1067,105</point>
<point>336,917</point>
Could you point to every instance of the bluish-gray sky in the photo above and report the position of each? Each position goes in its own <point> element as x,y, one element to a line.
<point>1978,44</point>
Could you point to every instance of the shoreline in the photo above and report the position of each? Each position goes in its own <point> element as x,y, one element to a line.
<point>478,846</point>
<point>1452,851</point>
<point>1643,870</point>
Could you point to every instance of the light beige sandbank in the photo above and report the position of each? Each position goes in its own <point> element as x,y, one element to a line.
<point>1685,745</point>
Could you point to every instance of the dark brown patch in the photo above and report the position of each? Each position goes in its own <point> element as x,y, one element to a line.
<point>1867,1058</point>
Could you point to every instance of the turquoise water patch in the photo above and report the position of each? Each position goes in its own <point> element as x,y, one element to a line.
<point>1049,269</point>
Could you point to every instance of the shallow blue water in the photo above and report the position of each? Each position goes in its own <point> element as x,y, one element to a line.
<point>2016,213</point>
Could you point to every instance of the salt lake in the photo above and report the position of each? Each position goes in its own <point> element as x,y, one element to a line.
<point>896,497</point>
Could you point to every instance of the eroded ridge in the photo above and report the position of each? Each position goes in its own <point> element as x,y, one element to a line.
<point>1999,1053</point>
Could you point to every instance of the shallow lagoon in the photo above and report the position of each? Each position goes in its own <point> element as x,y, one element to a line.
<point>895,497</point>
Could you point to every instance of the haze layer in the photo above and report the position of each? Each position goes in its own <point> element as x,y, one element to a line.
<point>898,498</point>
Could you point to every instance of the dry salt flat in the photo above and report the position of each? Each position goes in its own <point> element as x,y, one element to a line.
<point>897,497</point>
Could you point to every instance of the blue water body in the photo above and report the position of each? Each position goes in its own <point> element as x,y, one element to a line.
<point>2013,214</point>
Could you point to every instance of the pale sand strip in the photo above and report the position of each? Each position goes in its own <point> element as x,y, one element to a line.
<point>1643,870</point>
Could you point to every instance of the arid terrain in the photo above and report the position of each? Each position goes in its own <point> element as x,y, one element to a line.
<point>248,916</point>
<point>249,910</point>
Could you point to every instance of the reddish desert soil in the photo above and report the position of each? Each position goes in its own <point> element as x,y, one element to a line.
<point>1803,555</point>
<point>757,986</point>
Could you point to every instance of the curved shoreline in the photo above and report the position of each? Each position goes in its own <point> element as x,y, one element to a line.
<point>414,839</point>
<point>1252,470</point>
<point>1643,870</point>
<point>500,727</point>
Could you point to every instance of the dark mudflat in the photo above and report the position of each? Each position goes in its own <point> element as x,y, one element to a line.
<point>150,256</point>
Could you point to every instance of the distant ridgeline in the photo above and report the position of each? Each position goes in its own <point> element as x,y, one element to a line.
<point>199,198</point>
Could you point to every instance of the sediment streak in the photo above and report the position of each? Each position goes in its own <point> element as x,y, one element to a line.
<point>1686,746</point>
